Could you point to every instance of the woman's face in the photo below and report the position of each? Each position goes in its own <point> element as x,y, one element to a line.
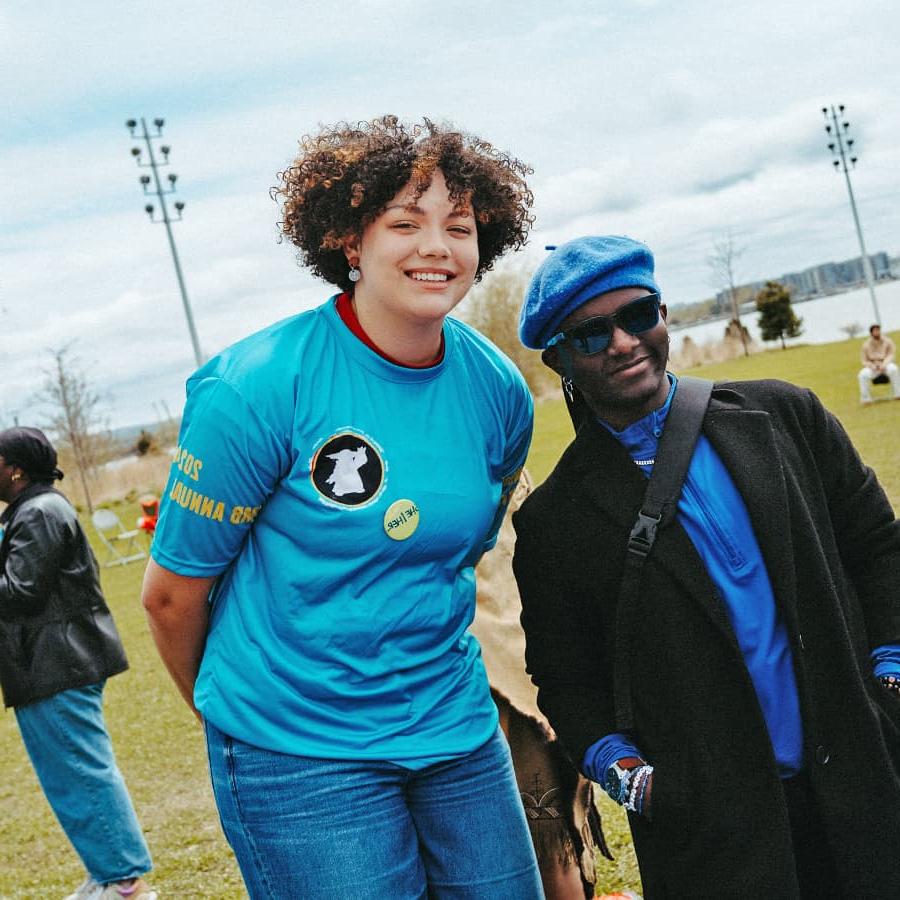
<point>7,470</point>
<point>418,259</point>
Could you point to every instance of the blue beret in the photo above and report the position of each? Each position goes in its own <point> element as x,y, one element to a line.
<point>576,272</point>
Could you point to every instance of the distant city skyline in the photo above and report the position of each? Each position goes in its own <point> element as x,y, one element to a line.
<point>822,278</point>
<point>826,318</point>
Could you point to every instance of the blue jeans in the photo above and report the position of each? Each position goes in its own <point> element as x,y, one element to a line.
<point>329,829</point>
<point>66,738</point>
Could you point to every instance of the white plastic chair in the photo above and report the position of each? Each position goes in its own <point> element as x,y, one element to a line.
<point>122,546</point>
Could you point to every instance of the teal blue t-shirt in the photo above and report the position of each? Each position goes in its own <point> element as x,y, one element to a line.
<point>343,501</point>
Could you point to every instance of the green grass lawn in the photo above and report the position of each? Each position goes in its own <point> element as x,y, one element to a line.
<point>160,745</point>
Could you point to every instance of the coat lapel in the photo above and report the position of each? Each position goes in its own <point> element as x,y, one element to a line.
<point>607,475</point>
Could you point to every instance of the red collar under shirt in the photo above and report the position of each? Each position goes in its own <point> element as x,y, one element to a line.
<point>348,316</point>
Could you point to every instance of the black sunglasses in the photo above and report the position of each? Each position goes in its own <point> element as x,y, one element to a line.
<point>593,335</point>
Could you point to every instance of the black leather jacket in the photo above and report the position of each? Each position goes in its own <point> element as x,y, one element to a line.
<point>56,631</point>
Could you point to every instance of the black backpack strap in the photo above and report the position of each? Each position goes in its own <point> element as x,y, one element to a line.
<point>673,456</point>
<point>660,503</point>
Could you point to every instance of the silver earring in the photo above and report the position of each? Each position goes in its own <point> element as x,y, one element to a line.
<point>354,274</point>
<point>15,477</point>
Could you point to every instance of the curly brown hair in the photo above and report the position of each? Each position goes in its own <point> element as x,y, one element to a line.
<point>344,177</point>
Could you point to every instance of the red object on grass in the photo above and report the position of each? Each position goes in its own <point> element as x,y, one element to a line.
<point>150,513</point>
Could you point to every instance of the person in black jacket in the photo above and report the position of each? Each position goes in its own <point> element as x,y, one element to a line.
<point>58,645</point>
<point>742,702</point>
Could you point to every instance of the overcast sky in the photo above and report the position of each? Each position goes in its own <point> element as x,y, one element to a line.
<point>671,122</point>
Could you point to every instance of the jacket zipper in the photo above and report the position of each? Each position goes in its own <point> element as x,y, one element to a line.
<point>735,557</point>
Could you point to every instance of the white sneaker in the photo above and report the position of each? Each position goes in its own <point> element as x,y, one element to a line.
<point>139,890</point>
<point>87,890</point>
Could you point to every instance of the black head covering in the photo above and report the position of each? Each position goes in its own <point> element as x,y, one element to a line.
<point>32,452</point>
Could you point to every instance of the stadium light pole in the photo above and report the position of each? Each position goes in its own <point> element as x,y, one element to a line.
<point>841,146</point>
<point>161,193</point>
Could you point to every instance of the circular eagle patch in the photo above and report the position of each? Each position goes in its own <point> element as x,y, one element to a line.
<point>348,469</point>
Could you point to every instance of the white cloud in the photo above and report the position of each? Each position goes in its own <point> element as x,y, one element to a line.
<point>671,123</point>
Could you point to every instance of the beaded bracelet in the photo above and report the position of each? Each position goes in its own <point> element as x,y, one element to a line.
<point>637,788</point>
<point>891,682</point>
<point>644,785</point>
<point>641,789</point>
<point>624,786</point>
<point>631,800</point>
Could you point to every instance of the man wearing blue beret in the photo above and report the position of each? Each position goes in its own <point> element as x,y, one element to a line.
<point>759,755</point>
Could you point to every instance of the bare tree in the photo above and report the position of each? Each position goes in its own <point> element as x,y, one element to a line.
<point>493,308</point>
<point>74,419</point>
<point>723,262</point>
<point>852,329</point>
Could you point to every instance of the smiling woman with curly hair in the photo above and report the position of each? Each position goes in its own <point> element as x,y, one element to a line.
<point>338,476</point>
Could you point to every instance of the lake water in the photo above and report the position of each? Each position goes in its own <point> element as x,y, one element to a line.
<point>822,318</point>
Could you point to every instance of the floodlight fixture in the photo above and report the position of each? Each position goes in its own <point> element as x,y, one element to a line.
<point>837,129</point>
<point>150,209</point>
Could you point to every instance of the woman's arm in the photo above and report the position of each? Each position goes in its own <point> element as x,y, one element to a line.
<point>34,547</point>
<point>178,613</point>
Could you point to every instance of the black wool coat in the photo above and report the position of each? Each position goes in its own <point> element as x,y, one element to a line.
<point>831,544</point>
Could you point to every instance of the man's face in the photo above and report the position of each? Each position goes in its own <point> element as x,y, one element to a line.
<point>876,333</point>
<point>627,380</point>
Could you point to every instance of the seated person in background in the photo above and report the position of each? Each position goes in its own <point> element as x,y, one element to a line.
<point>877,360</point>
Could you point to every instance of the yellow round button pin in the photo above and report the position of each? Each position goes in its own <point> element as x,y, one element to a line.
<point>401,520</point>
